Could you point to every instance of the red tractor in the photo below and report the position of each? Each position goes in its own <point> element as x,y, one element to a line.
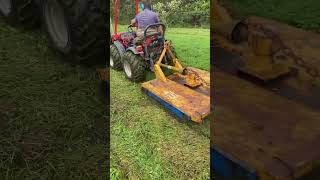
<point>136,57</point>
<point>185,92</point>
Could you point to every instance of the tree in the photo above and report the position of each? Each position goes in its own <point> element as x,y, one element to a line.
<point>171,12</point>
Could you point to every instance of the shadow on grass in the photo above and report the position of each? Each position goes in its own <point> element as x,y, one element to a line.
<point>51,112</point>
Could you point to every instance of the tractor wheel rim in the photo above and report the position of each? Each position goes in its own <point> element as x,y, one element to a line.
<point>5,7</point>
<point>127,69</point>
<point>56,23</point>
<point>111,61</point>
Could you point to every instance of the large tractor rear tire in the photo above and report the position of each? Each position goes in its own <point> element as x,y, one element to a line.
<point>134,67</point>
<point>115,58</point>
<point>77,29</point>
<point>23,13</point>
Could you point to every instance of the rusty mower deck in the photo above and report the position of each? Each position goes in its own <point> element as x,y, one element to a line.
<point>264,134</point>
<point>187,103</point>
<point>267,101</point>
<point>186,92</point>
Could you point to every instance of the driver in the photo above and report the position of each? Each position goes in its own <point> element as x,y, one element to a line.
<point>143,19</point>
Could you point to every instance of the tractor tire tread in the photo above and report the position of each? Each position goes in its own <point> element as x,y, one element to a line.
<point>87,21</point>
<point>117,64</point>
<point>24,14</point>
<point>138,66</point>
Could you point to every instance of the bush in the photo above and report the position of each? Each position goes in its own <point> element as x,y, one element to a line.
<point>177,13</point>
<point>184,13</point>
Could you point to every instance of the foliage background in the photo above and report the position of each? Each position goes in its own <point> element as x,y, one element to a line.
<point>302,14</point>
<point>177,13</point>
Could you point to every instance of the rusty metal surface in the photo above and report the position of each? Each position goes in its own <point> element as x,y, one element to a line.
<point>218,13</point>
<point>195,102</point>
<point>229,63</point>
<point>294,48</point>
<point>275,126</point>
<point>277,136</point>
<point>305,44</point>
<point>104,74</point>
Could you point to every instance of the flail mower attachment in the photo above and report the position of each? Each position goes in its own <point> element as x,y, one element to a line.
<point>186,92</point>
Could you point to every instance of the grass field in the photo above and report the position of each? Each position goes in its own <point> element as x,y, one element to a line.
<point>146,141</point>
<point>51,113</point>
<point>304,14</point>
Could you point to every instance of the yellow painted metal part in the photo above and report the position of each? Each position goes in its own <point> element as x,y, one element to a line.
<point>218,13</point>
<point>192,79</point>
<point>261,132</point>
<point>256,50</point>
<point>187,89</point>
<point>194,102</point>
<point>269,49</point>
<point>157,67</point>
<point>104,74</point>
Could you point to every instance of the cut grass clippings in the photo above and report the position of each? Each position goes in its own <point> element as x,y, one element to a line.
<point>147,142</point>
<point>51,112</point>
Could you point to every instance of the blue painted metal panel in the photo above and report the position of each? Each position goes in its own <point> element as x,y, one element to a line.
<point>176,111</point>
<point>227,167</point>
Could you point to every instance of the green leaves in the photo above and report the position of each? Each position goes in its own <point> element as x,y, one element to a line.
<point>304,15</point>
<point>181,13</point>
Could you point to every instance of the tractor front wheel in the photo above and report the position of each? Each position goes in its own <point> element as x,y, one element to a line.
<point>134,67</point>
<point>115,58</point>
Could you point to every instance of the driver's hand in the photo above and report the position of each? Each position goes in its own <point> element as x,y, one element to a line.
<point>133,22</point>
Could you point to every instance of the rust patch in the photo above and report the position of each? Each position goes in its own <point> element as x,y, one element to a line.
<point>103,74</point>
<point>267,131</point>
<point>195,102</point>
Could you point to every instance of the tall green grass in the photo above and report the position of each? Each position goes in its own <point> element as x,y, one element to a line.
<point>192,45</point>
<point>51,112</point>
<point>303,14</point>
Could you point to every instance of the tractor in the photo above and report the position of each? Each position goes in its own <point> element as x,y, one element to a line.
<point>185,92</point>
<point>135,57</point>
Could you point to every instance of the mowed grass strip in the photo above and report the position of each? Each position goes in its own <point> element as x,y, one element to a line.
<point>51,112</point>
<point>192,45</point>
<point>147,142</point>
<point>303,14</point>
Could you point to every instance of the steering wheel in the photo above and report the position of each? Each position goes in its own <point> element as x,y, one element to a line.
<point>130,30</point>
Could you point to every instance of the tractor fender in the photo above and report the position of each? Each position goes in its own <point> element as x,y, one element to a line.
<point>120,47</point>
<point>132,49</point>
